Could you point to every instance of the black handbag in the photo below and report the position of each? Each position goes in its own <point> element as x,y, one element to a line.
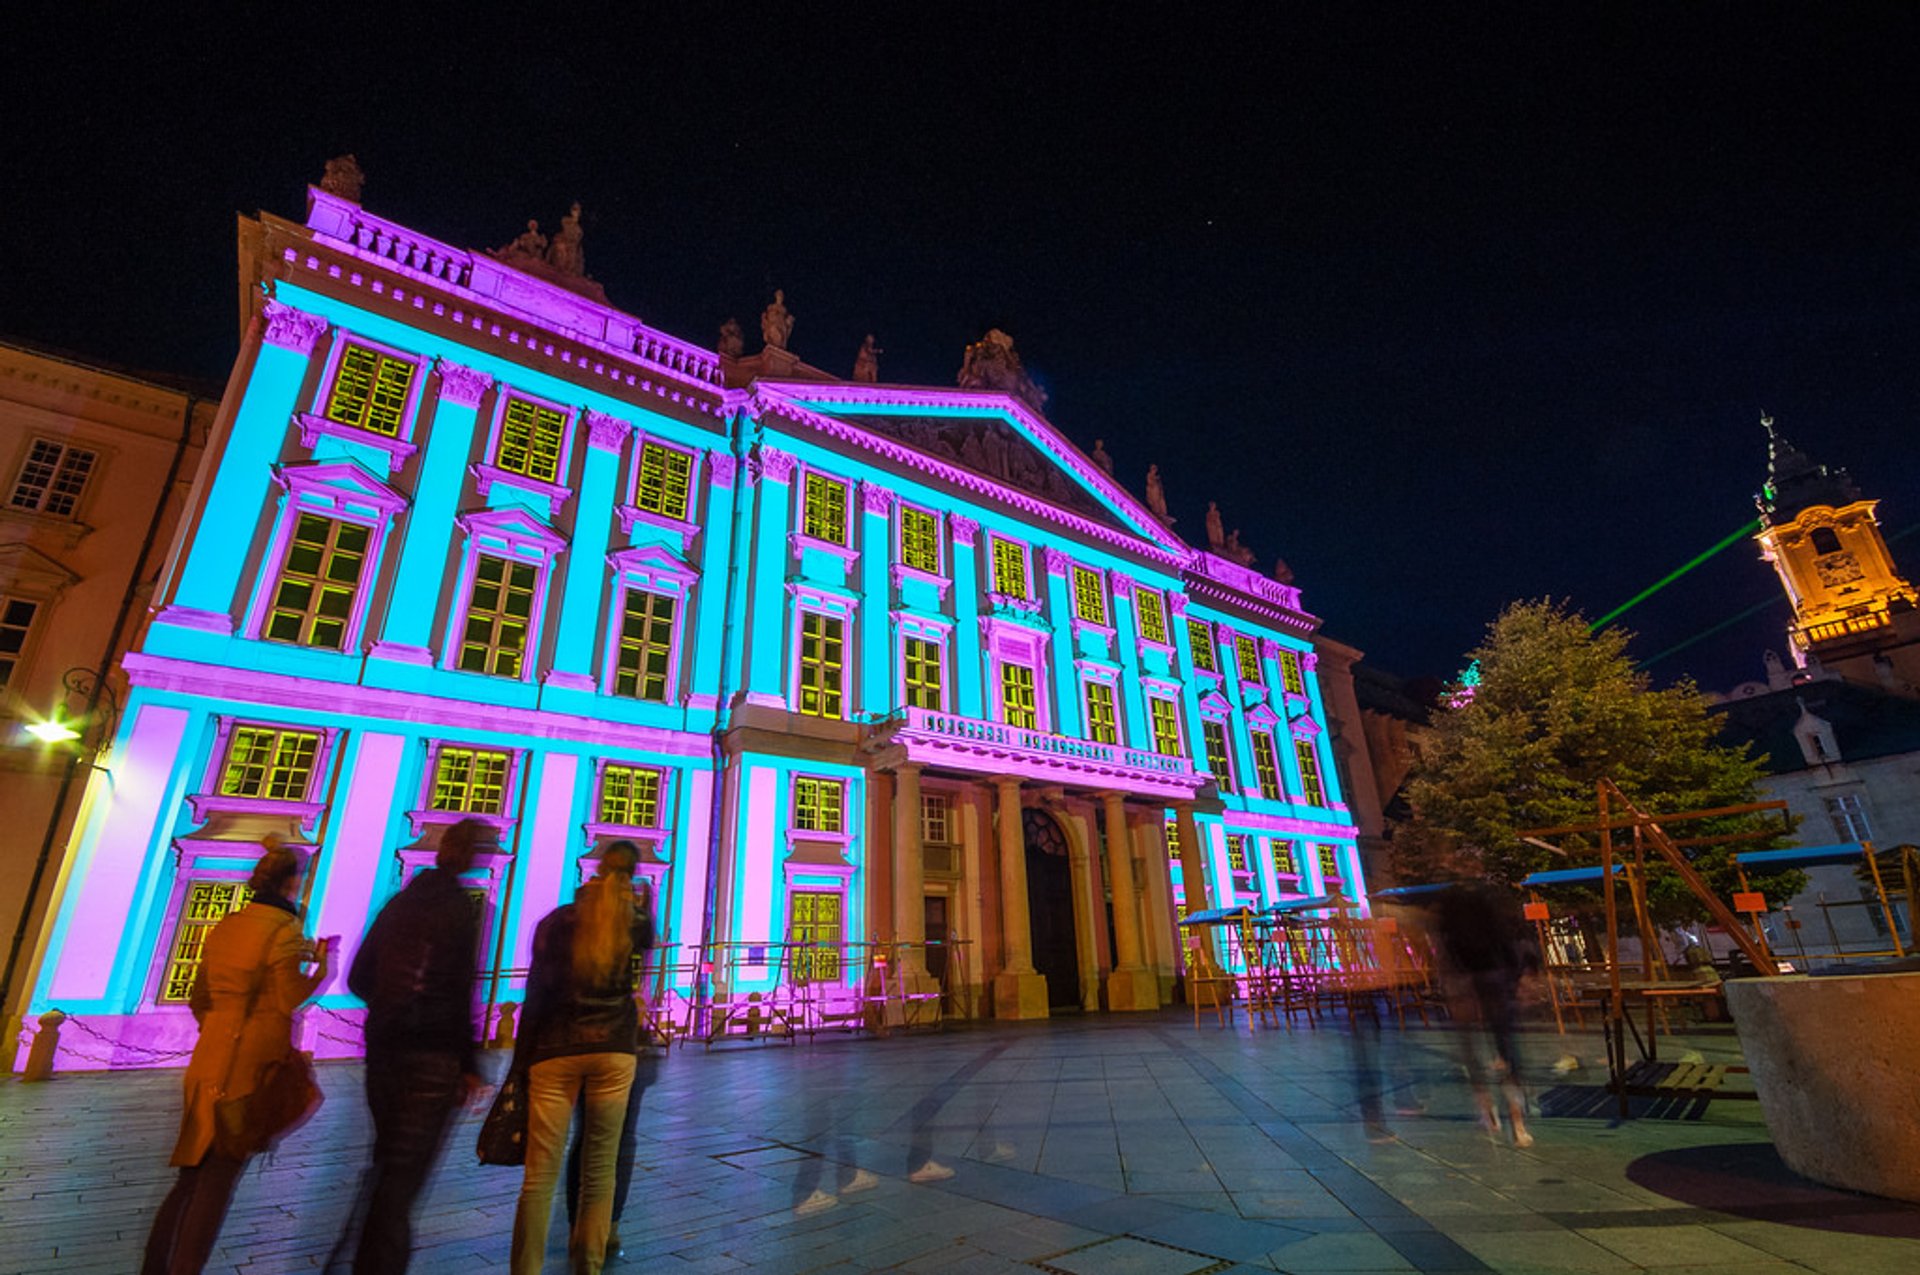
<point>503,1134</point>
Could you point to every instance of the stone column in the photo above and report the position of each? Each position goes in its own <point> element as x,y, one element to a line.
<point>909,885</point>
<point>1131,985</point>
<point>1019,991</point>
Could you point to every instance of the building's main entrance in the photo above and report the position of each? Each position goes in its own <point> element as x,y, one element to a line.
<point>1050,907</point>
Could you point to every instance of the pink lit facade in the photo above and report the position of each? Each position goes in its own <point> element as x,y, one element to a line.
<point>868,671</point>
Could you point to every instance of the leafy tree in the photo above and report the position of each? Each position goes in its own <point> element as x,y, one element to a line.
<point>1556,708</point>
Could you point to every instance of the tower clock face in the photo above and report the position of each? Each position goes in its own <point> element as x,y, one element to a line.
<point>1837,568</point>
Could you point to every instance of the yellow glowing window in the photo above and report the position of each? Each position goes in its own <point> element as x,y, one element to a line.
<point>1152,608</point>
<point>1102,728</point>
<point>664,476</point>
<point>646,646</point>
<point>1283,858</point>
<point>919,539</point>
<point>1236,852</point>
<point>275,764</point>
<point>826,510</point>
<point>470,781</point>
<point>206,904</point>
<point>815,933</point>
<point>499,616</point>
<point>1290,678</point>
<point>1214,736</point>
<point>370,391</point>
<point>1166,726</point>
<point>1330,861</point>
<point>822,664</point>
<point>922,659</point>
<point>818,804</point>
<point>1310,785</point>
<point>1173,840</point>
<point>936,818</point>
<point>1200,639</point>
<point>1266,765</point>
<point>630,796</point>
<point>313,599</point>
<point>1089,596</point>
<point>1017,704</point>
<point>1248,654</point>
<point>1009,568</point>
<point>530,438</point>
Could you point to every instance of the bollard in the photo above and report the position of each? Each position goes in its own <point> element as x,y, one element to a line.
<point>503,1028</point>
<point>46,1044</point>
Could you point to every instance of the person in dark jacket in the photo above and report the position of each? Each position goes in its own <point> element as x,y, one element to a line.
<point>415,971</point>
<point>1488,949</point>
<point>576,1041</point>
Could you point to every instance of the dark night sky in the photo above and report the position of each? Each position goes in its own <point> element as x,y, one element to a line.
<point>1447,304</point>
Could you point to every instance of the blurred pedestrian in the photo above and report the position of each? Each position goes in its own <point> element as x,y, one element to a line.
<point>415,971</point>
<point>577,1035</point>
<point>250,982</point>
<point>1488,948</point>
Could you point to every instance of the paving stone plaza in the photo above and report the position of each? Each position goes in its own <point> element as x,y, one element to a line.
<point>1130,1146</point>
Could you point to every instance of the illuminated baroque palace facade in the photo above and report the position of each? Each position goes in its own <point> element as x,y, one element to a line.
<point>856,664</point>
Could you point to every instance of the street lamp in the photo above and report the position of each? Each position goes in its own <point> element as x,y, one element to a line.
<point>52,731</point>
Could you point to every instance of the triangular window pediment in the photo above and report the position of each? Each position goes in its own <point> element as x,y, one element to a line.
<point>513,526</point>
<point>1214,704</point>
<point>343,483</point>
<point>24,569</point>
<point>650,560</point>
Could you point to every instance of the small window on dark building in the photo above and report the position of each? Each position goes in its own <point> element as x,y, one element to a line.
<point>1824,541</point>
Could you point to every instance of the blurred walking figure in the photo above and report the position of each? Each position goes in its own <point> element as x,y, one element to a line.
<point>577,1036</point>
<point>415,971</point>
<point>244,997</point>
<point>621,856</point>
<point>1489,949</point>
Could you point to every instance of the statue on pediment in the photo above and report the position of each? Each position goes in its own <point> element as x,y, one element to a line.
<point>1101,458</point>
<point>866,363</point>
<point>343,178</point>
<point>1157,496</point>
<point>1282,572</point>
<point>992,364</point>
<point>1216,530</point>
<point>1237,551</point>
<point>529,244</point>
<point>733,342</point>
<point>565,253</point>
<point>776,322</point>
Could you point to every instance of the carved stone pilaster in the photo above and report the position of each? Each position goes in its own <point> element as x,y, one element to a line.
<point>1226,634</point>
<point>607,433</point>
<point>875,499</point>
<point>292,329</point>
<point>771,462</point>
<point>721,466</point>
<point>1122,584</point>
<point>1310,660</point>
<point>1177,603</point>
<point>1269,649</point>
<point>965,530</point>
<point>1058,564</point>
<point>462,385</point>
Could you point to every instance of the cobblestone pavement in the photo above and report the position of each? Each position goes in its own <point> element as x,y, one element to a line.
<point>1113,1145</point>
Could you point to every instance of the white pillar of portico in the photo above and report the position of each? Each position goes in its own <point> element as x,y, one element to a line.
<point>909,884</point>
<point>1131,985</point>
<point>1019,990</point>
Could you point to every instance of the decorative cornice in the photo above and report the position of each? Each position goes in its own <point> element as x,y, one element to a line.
<point>292,329</point>
<point>721,466</point>
<point>875,499</point>
<point>1122,584</point>
<point>462,385</point>
<point>1058,563</point>
<point>770,462</point>
<point>966,531</point>
<point>608,433</point>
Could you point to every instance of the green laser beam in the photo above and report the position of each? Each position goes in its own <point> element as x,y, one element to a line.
<point>1745,531</point>
<point>1704,634</point>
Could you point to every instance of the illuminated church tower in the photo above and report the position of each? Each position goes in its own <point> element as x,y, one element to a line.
<point>1852,611</point>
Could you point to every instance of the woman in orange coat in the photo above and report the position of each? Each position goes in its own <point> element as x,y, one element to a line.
<point>249,985</point>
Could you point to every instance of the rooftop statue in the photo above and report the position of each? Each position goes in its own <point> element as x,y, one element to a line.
<point>1216,530</point>
<point>1282,572</point>
<point>1237,551</point>
<point>530,243</point>
<point>1157,496</point>
<point>565,253</point>
<point>343,178</point>
<point>1101,458</point>
<point>991,364</point>
<point>733,342</point>
<point>776,322</point>
<point>866,363</point>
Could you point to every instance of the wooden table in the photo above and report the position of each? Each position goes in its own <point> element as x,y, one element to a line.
<point>1650,1078</point>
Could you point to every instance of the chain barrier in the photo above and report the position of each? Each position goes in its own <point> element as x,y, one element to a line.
<point>140,1052</point>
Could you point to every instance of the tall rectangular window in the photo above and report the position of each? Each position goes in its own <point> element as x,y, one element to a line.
<point>1848,815</point>
<point>825,515</point>
<point>206,905</point>
<point>1102,727</point>
<point>936,818</point>
<point>313,599</point>
<point>1089,596</point>
<point>498,617</point>
<point>1213,735</point>
<point>1165,717</point>
<point>1330,861</point>
<point>1200,639</point>
<point>646,646</point>
<point>1237,852</point>
<point>1310,785</point>
<point>1009,568</point>
<point>823,664</point>
<point>630,796</point>
<point>1173,840</point>
<point>370,391</point>
<point>818,804</point>
<point>1151,606</point>
<point>921,657</point>
<point>919,539</point>
<point>264,762</point>
<point>1266,765</point>
<point>16,621</point>
<point>1283,858</point>
<point>530,440</point>
<point>1017,703</point>
<point>52,478</point>
<point>1247,651</point>
<point>470,781</point>
<point>815,933</point>
<point>665,474</point>
<point>1290,679</point>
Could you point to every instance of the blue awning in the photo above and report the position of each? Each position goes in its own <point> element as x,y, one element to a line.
<point>1804,857</point>
<point>1570,876</point>
<point>1411,891</point>
<point>1216,916</point>
<point>1307,904</point>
